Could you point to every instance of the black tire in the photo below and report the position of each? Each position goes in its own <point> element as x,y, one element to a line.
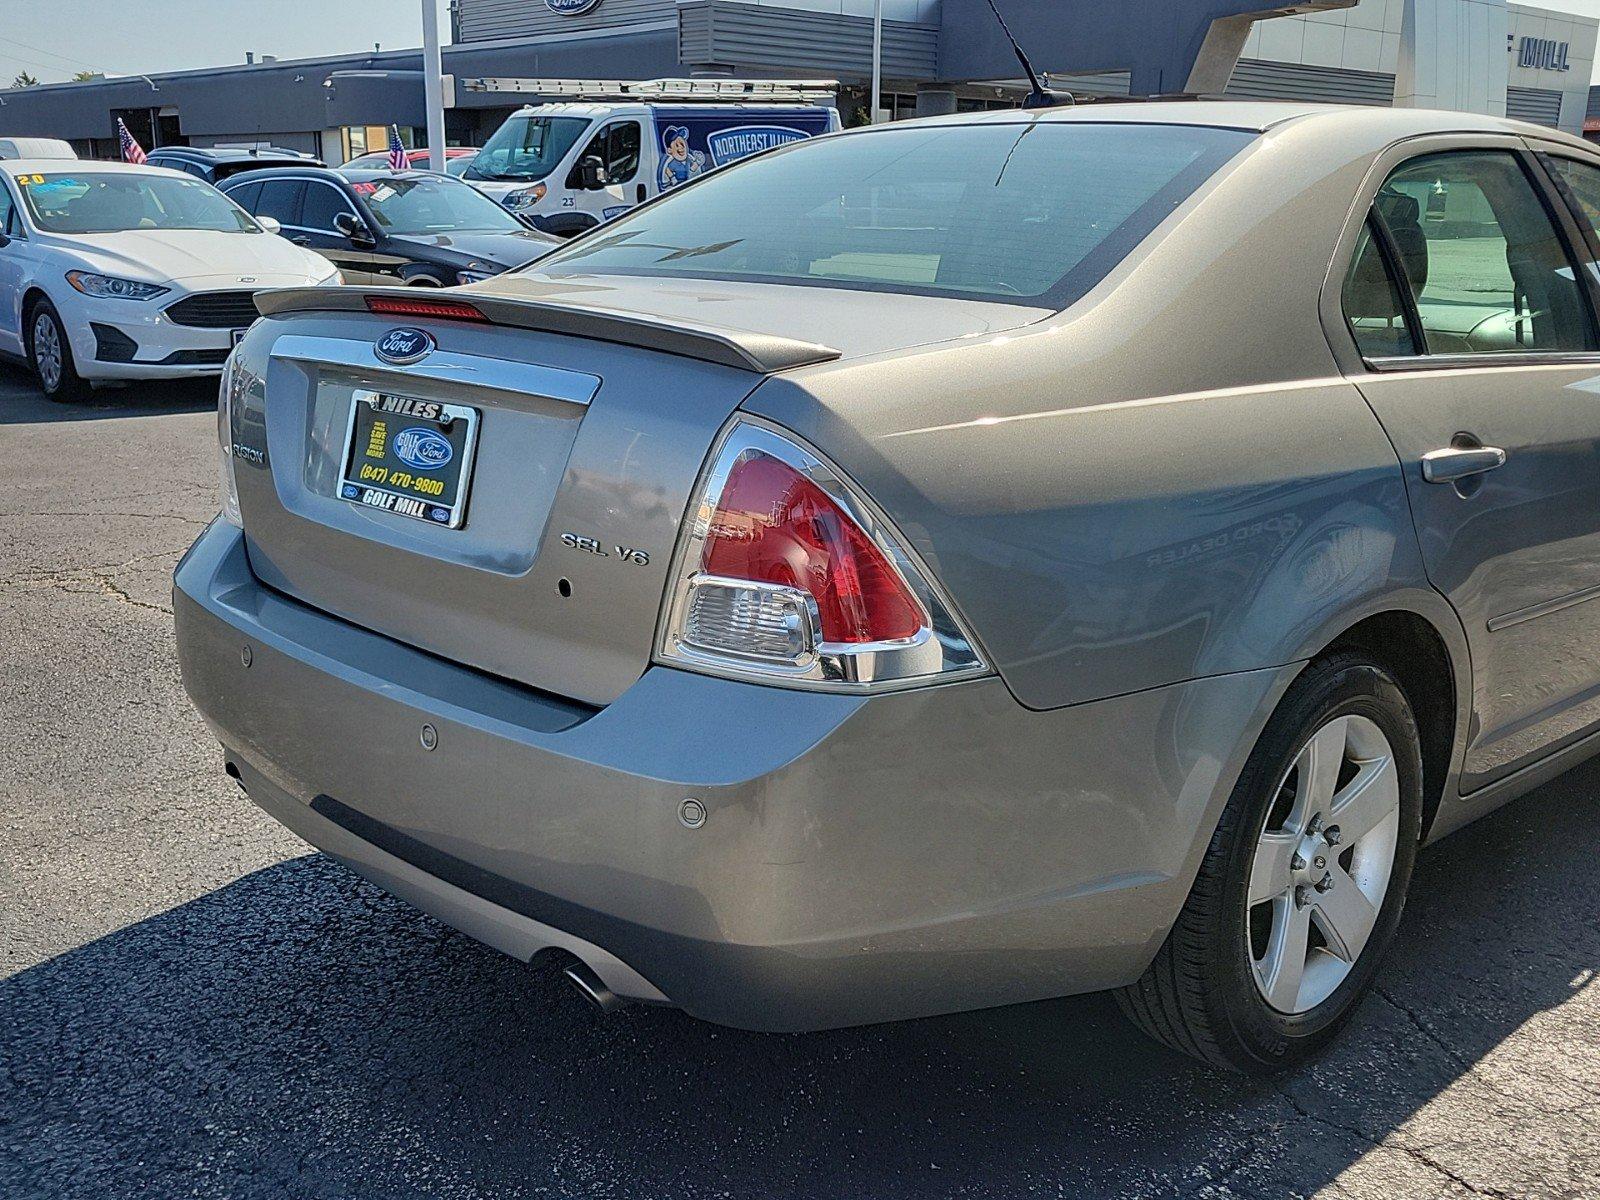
<point>68,386</point>
<point>1200,994</point>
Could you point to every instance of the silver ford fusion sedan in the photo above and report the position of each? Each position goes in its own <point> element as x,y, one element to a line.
<point>942,565</point>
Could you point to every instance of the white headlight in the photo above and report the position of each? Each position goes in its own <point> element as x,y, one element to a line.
<point>525,197</point>
<point>110,287</point>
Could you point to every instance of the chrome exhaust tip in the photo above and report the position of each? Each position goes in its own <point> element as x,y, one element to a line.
<point>593,988</point>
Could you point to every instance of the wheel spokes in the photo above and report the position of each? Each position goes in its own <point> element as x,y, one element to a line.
<point>1345,916</point>
<point>1367,800</point>
<point>1284,966</point>
<point>1320,763</point>
<point>1269,875</point>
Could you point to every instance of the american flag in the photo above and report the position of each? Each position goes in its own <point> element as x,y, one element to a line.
<point>397,151</point>
<point>132,152</point>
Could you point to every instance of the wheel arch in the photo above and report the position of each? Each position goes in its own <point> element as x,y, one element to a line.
<point>421,275</point>
<point>1428,658</point>
<point>31,297</point>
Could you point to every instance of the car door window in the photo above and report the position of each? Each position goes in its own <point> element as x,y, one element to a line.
<point>245,196</point>
<point>280,199</point>
<point>322,203</point>
<point>1484,262</point>
<point>1373,303</point>
<point>617,147</point>
<point>622,151</point>
<point>10,224</point>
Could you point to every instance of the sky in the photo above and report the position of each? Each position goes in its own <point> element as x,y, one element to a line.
<point>52,39</point>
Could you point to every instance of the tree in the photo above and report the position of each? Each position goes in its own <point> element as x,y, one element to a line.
<point>23,80</point>
<point>83,76</point>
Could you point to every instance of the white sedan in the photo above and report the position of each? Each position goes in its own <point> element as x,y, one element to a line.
<point>112,271</point>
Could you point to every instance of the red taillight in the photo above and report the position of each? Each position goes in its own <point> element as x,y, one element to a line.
<point>773,525</point>
<point>787,575</point>
<point>446,310</point>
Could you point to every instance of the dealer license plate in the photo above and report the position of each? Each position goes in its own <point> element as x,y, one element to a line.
<point>409,456</point>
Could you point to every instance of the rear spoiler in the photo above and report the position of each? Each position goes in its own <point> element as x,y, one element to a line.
<point>746,351</point>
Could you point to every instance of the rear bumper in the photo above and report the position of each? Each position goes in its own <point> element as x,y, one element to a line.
<point>861,860</point>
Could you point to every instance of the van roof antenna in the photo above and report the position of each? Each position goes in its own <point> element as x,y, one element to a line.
<point>1040,96</point>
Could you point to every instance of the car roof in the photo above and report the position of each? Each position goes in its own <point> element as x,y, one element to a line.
<point>329,174</point>
<point>1353,120</point>
<point>230,154</point>
<point>302,171</point>
<point>371,174</point>
<point>415,152</point>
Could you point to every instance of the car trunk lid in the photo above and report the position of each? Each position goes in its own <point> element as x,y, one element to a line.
<point>592,425</point>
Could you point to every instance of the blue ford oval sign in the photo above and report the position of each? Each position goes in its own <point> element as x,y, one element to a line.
<point>571,8</point>
<point>402,346</point>
<point>422,449</point>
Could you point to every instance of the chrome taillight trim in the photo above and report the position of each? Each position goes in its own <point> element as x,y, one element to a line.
<point>691,648</point>
<point>227,481</point>
<point>943,651</point>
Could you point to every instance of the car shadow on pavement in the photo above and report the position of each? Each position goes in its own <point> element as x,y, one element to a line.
<point>21,402</point>
<point>298,1033</point>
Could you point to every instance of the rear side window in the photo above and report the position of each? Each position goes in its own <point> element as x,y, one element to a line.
<point>1036,212</point>
<point>1373,304</point>
<point>1484,263</point>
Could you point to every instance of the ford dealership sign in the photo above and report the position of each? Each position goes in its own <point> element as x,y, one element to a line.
<point>571,8</point>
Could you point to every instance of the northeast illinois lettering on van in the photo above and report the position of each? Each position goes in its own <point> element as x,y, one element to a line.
<point>728,145</point>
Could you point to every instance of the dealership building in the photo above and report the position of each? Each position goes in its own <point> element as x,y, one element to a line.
<point>938,56</point>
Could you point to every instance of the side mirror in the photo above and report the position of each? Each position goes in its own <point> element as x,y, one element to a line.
<point>592,174</point>
<point>351,226</point>
<point>270,224</point>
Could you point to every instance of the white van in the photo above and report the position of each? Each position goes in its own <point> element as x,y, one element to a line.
<point>574,164</point>
<point>51,148</point>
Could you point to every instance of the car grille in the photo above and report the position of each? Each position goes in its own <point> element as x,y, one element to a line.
<point>215,310</point>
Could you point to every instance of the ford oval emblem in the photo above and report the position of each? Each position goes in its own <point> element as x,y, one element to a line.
<point>402,346</point>
<point>422,449</point>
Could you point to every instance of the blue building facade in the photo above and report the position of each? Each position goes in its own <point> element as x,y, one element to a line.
<point>938,56</point>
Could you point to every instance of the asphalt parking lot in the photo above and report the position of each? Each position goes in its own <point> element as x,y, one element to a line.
<point>193,1004</point>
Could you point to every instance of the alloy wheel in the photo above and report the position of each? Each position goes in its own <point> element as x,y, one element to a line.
<point>1322,864</point>
<point>47,351</point>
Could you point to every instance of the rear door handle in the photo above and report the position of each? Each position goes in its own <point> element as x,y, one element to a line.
<point>1459,462</point>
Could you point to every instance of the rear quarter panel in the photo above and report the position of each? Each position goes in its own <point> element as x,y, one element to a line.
<point>1170,480</point>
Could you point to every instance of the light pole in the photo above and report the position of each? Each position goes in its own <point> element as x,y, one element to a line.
<point>433,83</point>
<point>877,63</point>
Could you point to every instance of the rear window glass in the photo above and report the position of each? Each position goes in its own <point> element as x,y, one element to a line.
<point>1004,211</point>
